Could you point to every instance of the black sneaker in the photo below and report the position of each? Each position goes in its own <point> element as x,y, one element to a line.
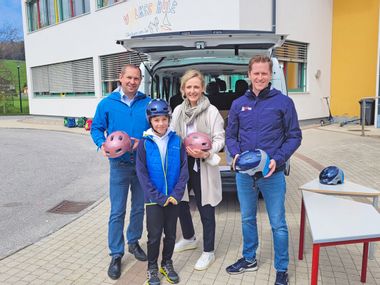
<point>167,270</point>
<point>152,276</point>
<point>282,278</point>
<point>241,266</point>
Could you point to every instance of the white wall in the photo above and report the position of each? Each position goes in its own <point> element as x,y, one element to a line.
<point>310,22</point>
<point>95,34</point>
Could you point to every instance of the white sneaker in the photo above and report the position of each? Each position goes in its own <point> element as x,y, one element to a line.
<point>204,262</point>
<point>185,244</point>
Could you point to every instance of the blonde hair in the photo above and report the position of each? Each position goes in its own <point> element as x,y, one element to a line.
<point>260,59</point>
<point>189,74</point>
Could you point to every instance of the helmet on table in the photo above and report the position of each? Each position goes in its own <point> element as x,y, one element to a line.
<point>251,162</point>
<point>331,175</point>
<point>198,140</point>
<point>117,144</point>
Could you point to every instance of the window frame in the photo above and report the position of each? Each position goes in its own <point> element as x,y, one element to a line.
<point>53,12</point>
<point>294,53</point>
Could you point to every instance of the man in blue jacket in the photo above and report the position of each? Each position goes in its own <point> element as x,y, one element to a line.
<point>123,110</point>
<point>263,118</point>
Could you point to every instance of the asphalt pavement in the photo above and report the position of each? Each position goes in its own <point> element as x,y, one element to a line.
<point>39,170</point>
<point>77,253</point>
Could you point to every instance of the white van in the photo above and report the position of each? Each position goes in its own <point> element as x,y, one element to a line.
<point>222,56</point>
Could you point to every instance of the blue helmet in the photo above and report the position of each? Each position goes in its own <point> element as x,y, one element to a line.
<point>158,107</point>
<point>250,162</point>
<point>331,175</point>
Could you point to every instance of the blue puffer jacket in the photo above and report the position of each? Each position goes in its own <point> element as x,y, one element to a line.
<point>114,115</point>
<point>160,181</point>
<point>268,122</point>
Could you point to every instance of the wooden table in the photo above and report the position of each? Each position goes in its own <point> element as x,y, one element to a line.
<point>347,189</point>
<point>336,221</point>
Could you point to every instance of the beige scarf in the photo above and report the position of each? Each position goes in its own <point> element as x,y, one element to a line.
<point>188,113</point>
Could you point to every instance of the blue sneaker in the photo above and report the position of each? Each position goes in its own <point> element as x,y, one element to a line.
<point>282,278</point>
<point>241,266</point>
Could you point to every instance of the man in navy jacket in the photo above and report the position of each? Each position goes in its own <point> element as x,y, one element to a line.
<point>263,118</point>
<point>123,110</point>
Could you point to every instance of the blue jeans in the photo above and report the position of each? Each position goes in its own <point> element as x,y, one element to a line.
<point>273,190</point>
<point>122,178</point>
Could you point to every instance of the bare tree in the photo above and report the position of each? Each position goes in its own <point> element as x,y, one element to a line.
<point>11,47</point>
<point>8,33</point>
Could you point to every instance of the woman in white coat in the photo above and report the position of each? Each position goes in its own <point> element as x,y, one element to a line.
<point>196,114</point>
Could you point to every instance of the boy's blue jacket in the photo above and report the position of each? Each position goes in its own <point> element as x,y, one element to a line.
<point>268,122</point>
<point>114,115</point>
<point>160,181</point>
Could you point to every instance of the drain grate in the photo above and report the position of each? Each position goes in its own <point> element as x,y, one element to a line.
<point>70,207</point>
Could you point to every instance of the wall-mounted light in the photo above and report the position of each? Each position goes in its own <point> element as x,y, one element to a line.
<point>317,74</point>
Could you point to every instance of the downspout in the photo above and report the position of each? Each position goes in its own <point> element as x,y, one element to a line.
<point>274,16</point>
<point>377,116</point>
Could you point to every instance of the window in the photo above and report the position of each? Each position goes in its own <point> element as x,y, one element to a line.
<point>111,66</point>
<point>293,57</point>
<point>105,3</point>
<point>42,13</point>
<point>72,78</point>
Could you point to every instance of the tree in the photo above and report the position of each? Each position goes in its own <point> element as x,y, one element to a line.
<point>8,33</point>
<point>7,81</point>
<point>11,47</point>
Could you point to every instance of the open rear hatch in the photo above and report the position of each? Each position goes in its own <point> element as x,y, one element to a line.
<point>217,44</point>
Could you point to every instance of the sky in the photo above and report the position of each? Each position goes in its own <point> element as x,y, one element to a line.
<point>10,15</point>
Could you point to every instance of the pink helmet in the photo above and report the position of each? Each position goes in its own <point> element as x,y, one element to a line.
<point>116,144</point>
<point>198,140</point>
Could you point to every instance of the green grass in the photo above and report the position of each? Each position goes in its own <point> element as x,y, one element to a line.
<point>11,106</point>
<point>12,66</point>
<point>10,103</point>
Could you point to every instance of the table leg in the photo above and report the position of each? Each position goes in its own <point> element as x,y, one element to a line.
<point>315,264</point>
<point>372,244</point>
<point>302,231</point>
<point>364,263</point>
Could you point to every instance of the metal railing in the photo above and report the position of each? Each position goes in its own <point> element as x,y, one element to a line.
<point>363,105</point>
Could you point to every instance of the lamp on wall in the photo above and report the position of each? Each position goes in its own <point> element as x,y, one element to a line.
<point>317,74</point>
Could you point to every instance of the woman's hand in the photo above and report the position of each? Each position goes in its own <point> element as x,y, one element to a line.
<point>197,153</point>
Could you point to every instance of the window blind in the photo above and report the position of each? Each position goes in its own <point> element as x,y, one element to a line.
<point>292,51</point>
<point>66,77</point>
<point>112,64</point>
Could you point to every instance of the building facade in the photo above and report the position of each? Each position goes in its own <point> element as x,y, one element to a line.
<point>355,56</point>
<point>73,60</point>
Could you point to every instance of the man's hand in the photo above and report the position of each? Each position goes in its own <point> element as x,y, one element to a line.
<point>135,143</point>
<point>272,167</point>
<point>197,153</point>
<point>103,151</point>
<point>234,161</point>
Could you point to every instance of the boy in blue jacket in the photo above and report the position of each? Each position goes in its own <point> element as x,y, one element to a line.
<point>161,167</point>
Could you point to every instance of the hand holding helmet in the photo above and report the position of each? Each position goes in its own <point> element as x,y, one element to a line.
<point>198,144</point>
<point>251,162</point>
<point>116,144</point>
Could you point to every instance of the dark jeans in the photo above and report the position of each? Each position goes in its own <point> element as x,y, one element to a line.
<point>160,219</point>
<point>207,212</point>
